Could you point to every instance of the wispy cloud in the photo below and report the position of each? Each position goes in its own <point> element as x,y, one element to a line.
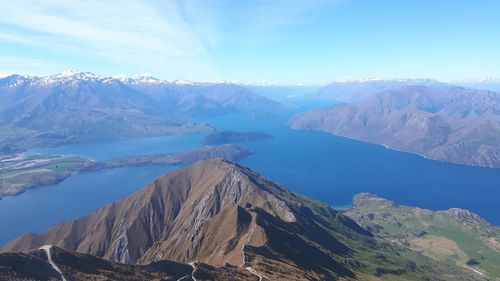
<point>173,37</point>
<point>129,32</point>
<point>103,24</point>
<point>250,21</point>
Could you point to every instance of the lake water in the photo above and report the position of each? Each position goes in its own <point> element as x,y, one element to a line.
<point>319,165</point>
<point>105,150</point>
<point>38,209</point>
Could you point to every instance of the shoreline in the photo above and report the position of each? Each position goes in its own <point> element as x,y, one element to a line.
<point>402,151</point>
<point>228,151</point>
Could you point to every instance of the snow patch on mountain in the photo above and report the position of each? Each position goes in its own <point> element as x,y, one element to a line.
<point>72,76</point>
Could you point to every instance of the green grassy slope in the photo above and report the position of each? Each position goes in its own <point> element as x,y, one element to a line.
<point>453,237</point>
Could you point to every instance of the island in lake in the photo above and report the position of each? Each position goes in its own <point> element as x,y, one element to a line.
<point>224,137</point>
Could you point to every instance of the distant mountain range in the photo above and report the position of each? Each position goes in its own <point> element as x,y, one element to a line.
<point>483,84</point>
<point>446,123</point>
<point>355,90</point>
<point>77,106</point>
<point>220,218</point>
<point>198,98</point>
<point>449,101</point>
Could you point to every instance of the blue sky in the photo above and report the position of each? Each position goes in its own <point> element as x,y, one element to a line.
<point>288,41</point>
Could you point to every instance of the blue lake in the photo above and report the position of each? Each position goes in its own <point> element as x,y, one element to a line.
<point>37,209</point>
<point>319,165</point>
<point>105,150</point>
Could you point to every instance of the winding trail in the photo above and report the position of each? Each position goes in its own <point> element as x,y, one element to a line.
<point>255,273</point>
<point>469,267</point>
<point>243,262</point>
<point>249,235</point>
<point>47,248</point>
<point>193,265</point>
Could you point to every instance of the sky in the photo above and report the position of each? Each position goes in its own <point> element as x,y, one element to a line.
<point>274,41</point>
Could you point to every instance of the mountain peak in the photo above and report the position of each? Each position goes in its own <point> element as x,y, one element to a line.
<point>172,216</point>
<point>73,74</point>
<point>12,81</point>
<point>48,80</point>
<point>231,184</point>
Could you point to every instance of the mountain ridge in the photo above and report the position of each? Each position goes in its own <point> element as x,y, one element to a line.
<point>72,75</point>
<point>75,107</point>
<point>355,90</point>
<point>454,124</point>
<point>223,214</point>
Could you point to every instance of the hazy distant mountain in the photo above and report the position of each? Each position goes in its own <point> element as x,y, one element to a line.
<point>73,107</point>
<point>283,93</point>
<point>450,124</point>
<point>30,97</point>
<point>449,101</point>
<point>76,106</point>
<point>202,98</point>
<point>484,84</point>
<point>355,90</point>
<point>220,213</point>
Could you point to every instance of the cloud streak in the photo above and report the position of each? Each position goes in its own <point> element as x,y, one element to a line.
<point>102,24</point>
<point>130,33</point>
<point>172,38</point>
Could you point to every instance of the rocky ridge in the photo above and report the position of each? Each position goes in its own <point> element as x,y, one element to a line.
<point>222,214</point>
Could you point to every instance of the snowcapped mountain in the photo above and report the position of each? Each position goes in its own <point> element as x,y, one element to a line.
<point>75,106</point>
<point>75,76</point>
<point>16,80</point>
